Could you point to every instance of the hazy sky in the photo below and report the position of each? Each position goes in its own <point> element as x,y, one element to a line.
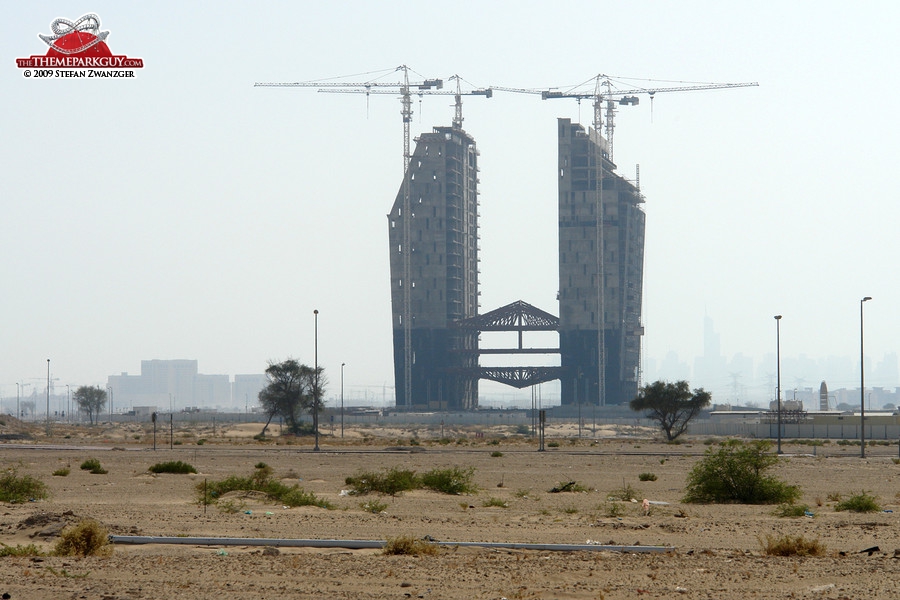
<point>187,214</point>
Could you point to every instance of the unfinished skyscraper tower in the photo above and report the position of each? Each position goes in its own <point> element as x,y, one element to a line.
<point>601,264</point>
<point>439,283</point>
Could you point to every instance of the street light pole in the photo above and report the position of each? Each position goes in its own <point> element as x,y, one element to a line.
<point>862,383</point>
<point>18,414</point>
<point>342,400</point>
<point>48,397</point>
<point>316,389</point>
<point>778,370</point>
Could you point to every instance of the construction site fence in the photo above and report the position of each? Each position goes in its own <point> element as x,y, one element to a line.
<point>515,418</point>
<point>829,431</point>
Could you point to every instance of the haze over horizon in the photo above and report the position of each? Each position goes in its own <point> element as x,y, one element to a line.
<point>186,214</point>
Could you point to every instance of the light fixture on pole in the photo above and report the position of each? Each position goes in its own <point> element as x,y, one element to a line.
<point>18,414</point>
<point>342,399</point>
<point>316,388</point>
<point>778,371</point>
<point>862,383</point>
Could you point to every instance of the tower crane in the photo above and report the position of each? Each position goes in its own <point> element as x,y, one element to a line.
<point>608,93</point>
<point>458,94</point>
<point>406,89</point>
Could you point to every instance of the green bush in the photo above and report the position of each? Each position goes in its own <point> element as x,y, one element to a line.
<point>260,481</point>
<point>389,481</point>
<point>62,472</point>
<point>19,550</point>
<point>173,466</point>
<point>93,465</point>
<point>452,480</point>
<point>16,489</point>
<point>647,477</point>
<point>859,503</point>
<point>496,454</point>
<point>736,473</point>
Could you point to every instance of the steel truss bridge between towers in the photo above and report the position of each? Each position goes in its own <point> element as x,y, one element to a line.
<point>517,317</point>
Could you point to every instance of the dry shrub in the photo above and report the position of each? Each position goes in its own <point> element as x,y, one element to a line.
<point>410,546</point>
<point>87,538</point>
<point>788,545</point>
<point>172,466</point>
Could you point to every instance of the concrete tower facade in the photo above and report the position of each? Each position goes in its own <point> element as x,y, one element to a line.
<point>601,264</point>
<point>443,273</point>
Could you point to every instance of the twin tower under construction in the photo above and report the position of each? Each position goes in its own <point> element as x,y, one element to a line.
<point>434,256</point>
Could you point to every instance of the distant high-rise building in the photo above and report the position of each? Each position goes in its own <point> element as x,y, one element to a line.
<point>441,285</point>
<point>176,385</point>
<point>601,264</point>
<point>710,370</point>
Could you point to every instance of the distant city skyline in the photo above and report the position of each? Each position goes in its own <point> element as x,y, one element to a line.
<point>740,378</point>
<point>736,379</point>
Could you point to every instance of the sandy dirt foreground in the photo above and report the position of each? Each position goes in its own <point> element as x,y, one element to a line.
<point>716,551</point>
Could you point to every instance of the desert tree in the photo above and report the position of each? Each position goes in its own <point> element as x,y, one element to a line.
<point>90,399</point>
<point>290,391</point>
<point>671,405</point>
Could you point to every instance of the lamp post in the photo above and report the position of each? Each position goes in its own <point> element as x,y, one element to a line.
<point>316,388</point>
<point>68,404</point>
<point>48,397</point>
<point>342,399</point>
<point>778,371</point>
<point>18,414</point>
<point>862,383</point>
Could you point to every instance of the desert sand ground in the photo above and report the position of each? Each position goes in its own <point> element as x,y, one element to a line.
<point>715,552</point>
